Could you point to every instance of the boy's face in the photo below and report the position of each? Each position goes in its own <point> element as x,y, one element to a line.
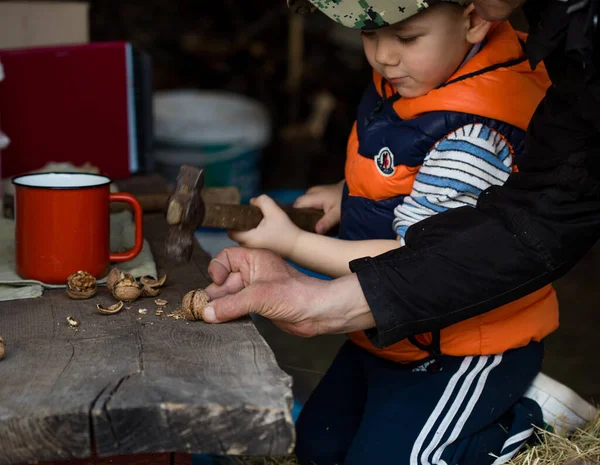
<point>422,52</point>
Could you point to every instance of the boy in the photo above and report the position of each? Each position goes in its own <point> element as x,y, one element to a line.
<point>444,118</point>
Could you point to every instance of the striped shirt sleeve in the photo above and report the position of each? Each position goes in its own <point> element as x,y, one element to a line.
<point>455,171</point>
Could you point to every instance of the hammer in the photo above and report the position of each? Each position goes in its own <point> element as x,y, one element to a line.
<point>187,211</point>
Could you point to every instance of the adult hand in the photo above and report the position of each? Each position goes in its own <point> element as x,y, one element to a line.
<point>496,10</point>
<point>258,281</point>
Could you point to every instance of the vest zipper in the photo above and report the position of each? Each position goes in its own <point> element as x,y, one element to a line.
<point>380,102</point>
<point>377,110</point>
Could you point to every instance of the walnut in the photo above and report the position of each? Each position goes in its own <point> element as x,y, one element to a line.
<point>2,348</point>
<point>114,275</point>
<point>81,285</point>
<point>126,289</point>
<point>111,309</point>
<point>194,303</point>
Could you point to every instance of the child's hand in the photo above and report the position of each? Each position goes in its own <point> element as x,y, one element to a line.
<point>327,198</point>
<point>275,232</point>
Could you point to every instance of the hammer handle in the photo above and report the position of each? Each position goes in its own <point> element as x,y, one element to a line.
<point>245,217</point>
<point>223,195</point>
<point>154,202</point>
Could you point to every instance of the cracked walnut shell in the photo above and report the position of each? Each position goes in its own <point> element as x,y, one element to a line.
<point>148,291</point>
<point>126,289</point>
<point>150,281</point>
<point>194,303</point>
<point>114,275</point>
<point>111,309</point>
<point>2,348</point>
<point>81,285</point>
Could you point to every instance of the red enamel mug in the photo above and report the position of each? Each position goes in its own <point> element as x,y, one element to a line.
<point>62,225</point>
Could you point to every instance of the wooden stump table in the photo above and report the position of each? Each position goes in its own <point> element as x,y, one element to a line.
<point>136,383</point>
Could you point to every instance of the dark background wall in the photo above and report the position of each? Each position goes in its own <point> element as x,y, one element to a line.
<point>244,46</point>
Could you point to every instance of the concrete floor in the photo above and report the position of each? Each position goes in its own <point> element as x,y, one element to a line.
<point>572,352</point>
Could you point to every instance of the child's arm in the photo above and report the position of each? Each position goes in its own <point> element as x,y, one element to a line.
<point>455,172</point>
<point>331,256</point>
<point>322,254</point>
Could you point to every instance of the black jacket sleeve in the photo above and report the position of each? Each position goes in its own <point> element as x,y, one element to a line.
<point>524,234</point>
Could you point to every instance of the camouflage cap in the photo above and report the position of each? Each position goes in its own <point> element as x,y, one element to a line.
<point>367,14</point>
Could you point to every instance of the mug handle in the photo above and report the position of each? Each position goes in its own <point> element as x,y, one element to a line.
<point>139,234</point>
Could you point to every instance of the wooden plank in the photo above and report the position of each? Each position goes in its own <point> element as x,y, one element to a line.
<point>140,459</point>
<point>131,383</point>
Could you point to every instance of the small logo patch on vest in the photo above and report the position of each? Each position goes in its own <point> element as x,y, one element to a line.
<point>385,162</point>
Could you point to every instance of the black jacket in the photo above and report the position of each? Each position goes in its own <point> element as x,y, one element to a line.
<point>524,234</point>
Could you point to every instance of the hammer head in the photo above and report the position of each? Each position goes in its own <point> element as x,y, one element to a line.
<point>185,213</point>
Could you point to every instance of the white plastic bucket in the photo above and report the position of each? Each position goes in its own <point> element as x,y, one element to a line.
<point>222,132</point>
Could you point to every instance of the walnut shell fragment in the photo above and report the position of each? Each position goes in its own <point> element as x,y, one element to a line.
<point>126,289</point>
<point>2,348</point>
<point>72,321</point>
<point>111,309</point>
<point>194,303</point>
<point>112,278</point>
<point>148,291</point>
<point>81,285</point>
<point>161,302</point>
<point>151,281</point>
